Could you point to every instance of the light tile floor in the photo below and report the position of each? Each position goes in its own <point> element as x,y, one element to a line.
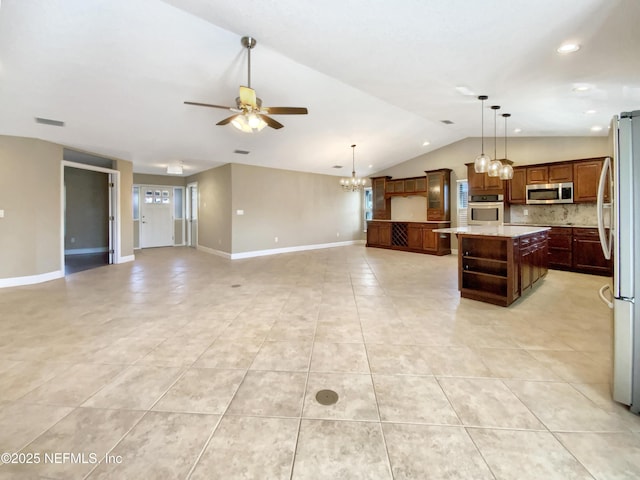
<point>187,365</point>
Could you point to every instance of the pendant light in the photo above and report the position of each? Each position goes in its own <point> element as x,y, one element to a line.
<point>353,184</point>
<point>506,171</point>
<point>481,163</point>
<point>495,165</point>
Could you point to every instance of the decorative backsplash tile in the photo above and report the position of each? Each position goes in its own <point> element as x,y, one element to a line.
<point>580,214</point>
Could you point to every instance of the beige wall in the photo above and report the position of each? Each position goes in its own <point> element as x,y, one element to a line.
<point>214,209</point>
<point>298,208</point>
<point>167,180</point>
<point>126,206</point>
<point>30,239</point>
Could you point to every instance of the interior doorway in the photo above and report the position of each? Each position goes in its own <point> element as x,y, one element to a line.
<point>192,214</point>
<point>88,218</point>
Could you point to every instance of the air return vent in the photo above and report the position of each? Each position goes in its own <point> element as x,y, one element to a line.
<point>48,121</point>
<point>337,166</point>
<point>447,122</point>
<point>241,152</point>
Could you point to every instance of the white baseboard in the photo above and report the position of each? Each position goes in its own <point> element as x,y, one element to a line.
<point>30,279</point>
<point>212,251</point>
<point>276,251</point>
<point>83,251</point>
<point>128,258</point>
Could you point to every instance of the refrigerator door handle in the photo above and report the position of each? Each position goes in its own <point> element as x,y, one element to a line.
<point>605,241</point>
<point>603,297</point>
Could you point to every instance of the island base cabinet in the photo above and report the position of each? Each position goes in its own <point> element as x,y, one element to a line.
<point>499,270</point>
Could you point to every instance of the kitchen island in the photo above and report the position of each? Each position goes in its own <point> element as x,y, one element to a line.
<point>499,264</point>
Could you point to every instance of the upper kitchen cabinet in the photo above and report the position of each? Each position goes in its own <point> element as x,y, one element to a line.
<point>483,184</point>
<point>518,186</point>
<point>561,172</point>
<point>438,191</point>
<point>586,176</point>
<point>381,202</point>
<point>538,175</point>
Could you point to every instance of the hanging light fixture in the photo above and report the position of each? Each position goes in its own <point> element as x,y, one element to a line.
<point>353,184</point>
<point>495,165</point>
<point>506,171</point>
<point>481,163</point>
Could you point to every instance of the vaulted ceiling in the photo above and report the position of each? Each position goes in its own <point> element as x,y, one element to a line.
<point>379,74</point>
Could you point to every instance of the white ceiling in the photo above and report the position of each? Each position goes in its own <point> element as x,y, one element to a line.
<point>380,74</point>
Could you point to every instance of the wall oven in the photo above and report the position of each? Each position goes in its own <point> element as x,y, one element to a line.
<point>486,210</point>
<point>550,193</point>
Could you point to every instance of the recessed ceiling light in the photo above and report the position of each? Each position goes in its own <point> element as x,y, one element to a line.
<point>581,87</point>
<point>590,112</point>
<point>517,130</point>
<point>425,143</point>
<point>465,90</point>
<point>596,128</point>
<point>568,48</point>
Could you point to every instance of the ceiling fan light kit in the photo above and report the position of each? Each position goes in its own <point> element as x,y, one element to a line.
<point>249,114</point>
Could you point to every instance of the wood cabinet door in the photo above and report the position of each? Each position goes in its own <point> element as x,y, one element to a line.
<point>561,173</point>
<point>587,252</point>
<point>421,184</point>
<point>429,240</point>
<point>475,180</point>
<point>384,235</point>
<point>414,236</point>
<point>381,204</point>
<point>586,176</point>
<point>526,263</point>
<point>517,188</point>
<point>537,175</point>
<point>493,183</point>
<point>373,235</point>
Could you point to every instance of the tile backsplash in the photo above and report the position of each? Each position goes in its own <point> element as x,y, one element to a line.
<point>580,214</point>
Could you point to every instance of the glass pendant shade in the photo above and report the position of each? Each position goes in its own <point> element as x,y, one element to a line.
<point>481,164</point>
<point>494,168</point>
<point>506,172</point>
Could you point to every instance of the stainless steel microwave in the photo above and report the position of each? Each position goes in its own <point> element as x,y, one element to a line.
<point>550,193</point>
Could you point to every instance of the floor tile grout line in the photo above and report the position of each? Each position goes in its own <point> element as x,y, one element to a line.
<point>566,448</point>
<point>222,415</point>
<point>375,395</point>
<point>304,396</point>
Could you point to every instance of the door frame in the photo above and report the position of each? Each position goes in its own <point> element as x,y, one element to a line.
<point>188,210</point>
<point>115,239</point>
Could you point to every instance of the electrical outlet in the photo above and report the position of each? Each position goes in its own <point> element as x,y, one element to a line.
<point>525,212</point>
<point>337,234</point>
<point>275,239</point>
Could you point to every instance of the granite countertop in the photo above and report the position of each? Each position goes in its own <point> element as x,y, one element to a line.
<point>509,231</point>
<point>412,221</point>
<point>568,225</point>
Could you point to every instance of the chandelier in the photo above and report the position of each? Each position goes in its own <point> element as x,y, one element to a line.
<point>353,184</point>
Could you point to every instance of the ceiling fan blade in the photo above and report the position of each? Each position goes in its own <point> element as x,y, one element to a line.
<point>286,110</point>
<point>248,96</point>
<point>270,121</point>
<point>198,104</point>
<point>227,120</point>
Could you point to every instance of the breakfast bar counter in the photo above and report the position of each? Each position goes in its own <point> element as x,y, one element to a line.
<point>498,264</point>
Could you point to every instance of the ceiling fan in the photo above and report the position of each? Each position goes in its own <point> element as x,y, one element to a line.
<point>249,114</point>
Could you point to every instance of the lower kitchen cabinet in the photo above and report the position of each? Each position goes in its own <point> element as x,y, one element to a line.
<point>409,236</point>
<point>577,249</point>
<point>587,253</point>
<point>533,259</point>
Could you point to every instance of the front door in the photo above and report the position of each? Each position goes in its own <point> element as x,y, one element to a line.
<point>156,217</point>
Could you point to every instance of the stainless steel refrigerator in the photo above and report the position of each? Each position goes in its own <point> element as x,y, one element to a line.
<point>619,229</point>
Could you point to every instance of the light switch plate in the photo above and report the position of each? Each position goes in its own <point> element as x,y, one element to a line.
<point>239,212</point>
<point>1,213</point>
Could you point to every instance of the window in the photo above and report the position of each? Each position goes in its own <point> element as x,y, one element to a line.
<point>368,206</point>
<point>463,198</point>
<point>177,203</point>
<point>136,203</point>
